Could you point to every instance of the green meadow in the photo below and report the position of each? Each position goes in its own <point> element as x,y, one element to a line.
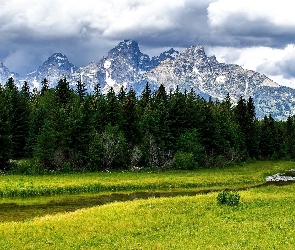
<point>263,219</point>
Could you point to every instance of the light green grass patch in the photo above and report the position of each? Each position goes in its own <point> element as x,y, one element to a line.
<point>218,178</point>
<point>264,219</point>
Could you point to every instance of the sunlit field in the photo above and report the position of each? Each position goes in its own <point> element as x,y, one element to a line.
<point>215,178</point>
<point>263,219</point>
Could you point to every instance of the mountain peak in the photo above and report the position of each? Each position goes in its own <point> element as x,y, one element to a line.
<point>195,50</point>
<point>57,57</point>
<point>129,43</point>
<point>59,60</point>
<point>125,47</point>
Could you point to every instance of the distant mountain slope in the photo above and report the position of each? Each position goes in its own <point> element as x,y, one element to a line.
<point>193,69</point>
<point>125,65</point>
<point>56,67</point>
<point>5,74</point>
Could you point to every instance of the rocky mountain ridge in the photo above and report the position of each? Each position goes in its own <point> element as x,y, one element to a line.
<point>125,65</point>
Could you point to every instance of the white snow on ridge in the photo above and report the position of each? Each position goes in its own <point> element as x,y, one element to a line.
<point>110,82</point>
<point>269,83</point>
<point>221,79</point>
<point>107,64</point>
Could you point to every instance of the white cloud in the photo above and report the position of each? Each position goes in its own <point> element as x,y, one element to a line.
<point>252,23</point>
<point>280,13</point>
<point>89,27</point>
<point>62,18</point>
<point>277,64</point>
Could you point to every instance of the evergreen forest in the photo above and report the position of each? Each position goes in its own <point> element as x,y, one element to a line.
<point>64,129</point>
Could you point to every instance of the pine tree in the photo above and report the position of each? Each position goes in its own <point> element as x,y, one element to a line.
<point>289,138</point>
<point>17,114</point>
<point>269,138</point>
<point>5,134</point>
<point>26,90</point>
<point>130,118</point>
<point>177,118</point>
<point>122,94</point>
<point>79,128</point>
<point>45,147</point>
<point>251,134</point>
<point>44,86</point>
<point>63,91</point>
<point>160,95</point>
<point>81,90</point>
<point>246,119</point>
<point>145,97</point>
<point>112,112</point>
<point>97,90</point>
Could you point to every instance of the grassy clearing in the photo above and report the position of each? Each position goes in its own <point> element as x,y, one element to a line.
<point>201,179</point>
<point>264,219</point>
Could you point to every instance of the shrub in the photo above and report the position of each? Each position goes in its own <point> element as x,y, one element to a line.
<point>26,166</point>
<point>222,197</point>
<point>184,161</point>
<point>233,199</point>
<point>230,198</point>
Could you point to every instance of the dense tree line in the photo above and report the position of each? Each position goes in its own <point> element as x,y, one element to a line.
<point>65,129</point>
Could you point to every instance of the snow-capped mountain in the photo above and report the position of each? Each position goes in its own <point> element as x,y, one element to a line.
<point>170,54</point>
<point>125,65</point>
<point>192,69</point>
<point>55,68</point>
<point>87,74</point>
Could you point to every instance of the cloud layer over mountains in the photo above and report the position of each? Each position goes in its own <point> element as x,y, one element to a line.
<point>258,35</point>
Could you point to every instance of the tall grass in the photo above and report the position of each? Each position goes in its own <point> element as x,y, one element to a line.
<point>218,178</point>
<point>264,219</point>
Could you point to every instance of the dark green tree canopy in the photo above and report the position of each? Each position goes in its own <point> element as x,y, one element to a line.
<point>71,130</point>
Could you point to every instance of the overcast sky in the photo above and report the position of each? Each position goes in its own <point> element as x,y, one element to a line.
<point>256,34</point>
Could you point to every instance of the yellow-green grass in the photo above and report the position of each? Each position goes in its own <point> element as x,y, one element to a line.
<point>264,219</point>
<point>200,179</point>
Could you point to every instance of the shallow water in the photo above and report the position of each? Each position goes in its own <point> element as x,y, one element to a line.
<point>19,209</point>
<point>16,211</point>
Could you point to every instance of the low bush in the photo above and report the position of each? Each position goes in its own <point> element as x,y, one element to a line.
<point>184,161</point>
<point>26,166</point>
<point>230,198</point>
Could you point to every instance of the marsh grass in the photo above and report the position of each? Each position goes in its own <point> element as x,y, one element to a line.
<point>217,178</point>
<point>264,219</point>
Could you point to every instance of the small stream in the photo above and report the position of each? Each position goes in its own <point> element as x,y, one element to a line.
<point>10,211</point>
<point>13,211</point>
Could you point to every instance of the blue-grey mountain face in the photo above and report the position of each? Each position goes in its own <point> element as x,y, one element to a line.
<point>170,54</point>
<point>192,69</point>
<point>125,65</point>
<point>55,68</point>
<point>5,74</point>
